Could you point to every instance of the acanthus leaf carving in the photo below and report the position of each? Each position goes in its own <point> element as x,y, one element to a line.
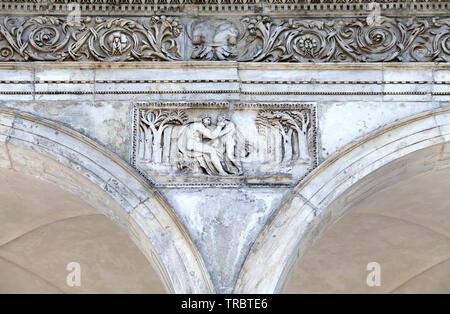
<point>100,39</point>
<point>348,40</point>
<point>249,39</point>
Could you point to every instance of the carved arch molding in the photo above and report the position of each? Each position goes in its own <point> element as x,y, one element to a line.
<point>54,153</point>
<point>398,151</point>
<point>186,144</point>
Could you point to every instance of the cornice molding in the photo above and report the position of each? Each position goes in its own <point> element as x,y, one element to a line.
<point>304,8</point>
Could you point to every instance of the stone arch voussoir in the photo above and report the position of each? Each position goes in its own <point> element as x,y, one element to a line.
<point>60,155</point>
<point>404,148</point>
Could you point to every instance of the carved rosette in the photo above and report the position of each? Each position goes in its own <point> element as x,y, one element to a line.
<point>250,39</point>
<point>99,39</point>
<point>347,40</point>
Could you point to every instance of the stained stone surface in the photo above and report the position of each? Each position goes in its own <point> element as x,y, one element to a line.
<point>262,38</point>
<point>223,222</point>
<point>106,122</point>
<point>255,144</point>
<point>223,212</point>
<point>403,227</point>
<point>234,121</point>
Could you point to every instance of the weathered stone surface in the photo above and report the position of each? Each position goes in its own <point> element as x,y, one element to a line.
<point>246,39</point>
<point>371,116</point>
<point>223,138</point>
<point>231,144</point>
<point>397,152</point>
<point>106,122</point>
<point>224,213</point>
<point>223,224</point>
<point>5,126</point>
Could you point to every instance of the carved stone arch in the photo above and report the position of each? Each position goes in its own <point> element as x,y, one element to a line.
<point>399,151</point>
<point>51,152</point>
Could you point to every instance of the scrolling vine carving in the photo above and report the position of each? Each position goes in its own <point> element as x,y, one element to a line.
<point>355,40</point>
<point>250,39</point>
<point>101,39</point>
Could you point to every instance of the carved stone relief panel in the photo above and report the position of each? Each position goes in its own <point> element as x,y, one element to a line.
<point>243,39</point>
<point>265,39</point>
<point>48,38</point>
<point>215,39</point>
<point>206,142</point>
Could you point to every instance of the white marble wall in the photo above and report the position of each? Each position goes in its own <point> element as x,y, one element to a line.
<point>352,100</point>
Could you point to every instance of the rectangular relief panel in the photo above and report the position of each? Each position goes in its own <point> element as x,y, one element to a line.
<point>223,144</point>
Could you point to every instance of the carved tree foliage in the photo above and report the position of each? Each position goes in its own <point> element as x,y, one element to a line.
<point>293,128</point>
<point>152,126</point>
<point>177,142</point>
<point>100,39</point>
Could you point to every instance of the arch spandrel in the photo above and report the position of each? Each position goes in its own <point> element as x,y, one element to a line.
<point>290,86</point>
<point>54,153</point>
<point>416,144</point>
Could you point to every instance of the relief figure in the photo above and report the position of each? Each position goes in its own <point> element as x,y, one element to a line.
<point>191,145</point>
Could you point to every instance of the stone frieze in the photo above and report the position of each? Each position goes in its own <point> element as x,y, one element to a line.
<point>50,38</point>
<point>247,39</point>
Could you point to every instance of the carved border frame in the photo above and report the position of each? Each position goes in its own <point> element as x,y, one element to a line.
<point>216,182</point>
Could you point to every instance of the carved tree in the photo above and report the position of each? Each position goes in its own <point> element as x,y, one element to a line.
<point>279,121</point>
<point>302,133</point>
<point>346,40</point>
<point>146,140</point>
<point>286,123</point>
<point>154,123</point>
<point>265,120</point>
